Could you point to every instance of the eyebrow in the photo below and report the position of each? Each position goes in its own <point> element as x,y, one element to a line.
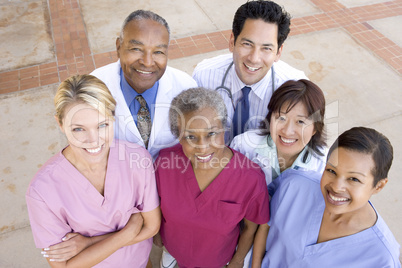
<point>136,42</point>
<point>79,125</point>
<point>264,45</point>
<point>202,129</point>
<point>352,172</point>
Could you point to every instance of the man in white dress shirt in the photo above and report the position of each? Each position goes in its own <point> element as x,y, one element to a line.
<point>142,83</point>
<point>258,33</point>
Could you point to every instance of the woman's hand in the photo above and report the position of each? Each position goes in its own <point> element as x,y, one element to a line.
<point>132,228</point>
<point>73,243</point>
<point>158,240</point>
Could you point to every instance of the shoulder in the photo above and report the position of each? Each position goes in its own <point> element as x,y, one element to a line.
<point>167,153</point>
<point>177,77</point>
<point>241,164</point>
<point>47,175</point>
<point>248,141</point>
<point>125,147</point>
<point>105,70</point>
<point>387,239</point>
<point>286,72</point>
<point>301,181</point>
<point>218,62</point>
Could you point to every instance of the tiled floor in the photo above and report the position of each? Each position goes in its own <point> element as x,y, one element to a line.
<point>351,48</point>
<point>73,53</point>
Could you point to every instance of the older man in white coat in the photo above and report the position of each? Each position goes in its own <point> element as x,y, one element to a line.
<point>142,83</point>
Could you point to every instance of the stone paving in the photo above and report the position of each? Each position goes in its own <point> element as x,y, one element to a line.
<point>351,48</point>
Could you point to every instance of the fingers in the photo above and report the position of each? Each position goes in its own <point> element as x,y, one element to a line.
<point>69,236</point>
<point>55,255</point>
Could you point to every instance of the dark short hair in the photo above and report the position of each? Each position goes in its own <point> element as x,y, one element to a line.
<point>267,11</point>
<point>368,141</point>
<point>311,96</point>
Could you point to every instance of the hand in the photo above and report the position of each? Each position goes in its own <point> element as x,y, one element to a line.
<point>158,240</point>
<point>73,243</point>
<point>132,228</point>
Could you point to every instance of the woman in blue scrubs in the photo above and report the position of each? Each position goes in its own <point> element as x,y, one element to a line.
<point>327,220</point>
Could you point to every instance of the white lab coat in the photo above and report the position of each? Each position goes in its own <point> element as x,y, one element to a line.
<point>171,84</point>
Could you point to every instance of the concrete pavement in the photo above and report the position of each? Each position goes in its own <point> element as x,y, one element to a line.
<point>351,48</point>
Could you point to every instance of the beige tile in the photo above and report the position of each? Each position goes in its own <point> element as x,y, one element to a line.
<point>18,250</point>
<point>24,34</point>
<point>185,18</point>
<point>388,201</point>
<point>361,88</point>
<point>28,138</point>
<point>390,28</point>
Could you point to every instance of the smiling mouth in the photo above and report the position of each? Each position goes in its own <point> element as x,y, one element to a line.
<point>287,141</point>
<point>252,68</point>
<point>143,72</point>
<point>205,158</point>
<point>93,150</point>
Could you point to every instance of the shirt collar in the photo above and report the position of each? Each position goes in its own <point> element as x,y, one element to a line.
<point>258,88</point>
<point>129,93</point>
<point>269,151</point>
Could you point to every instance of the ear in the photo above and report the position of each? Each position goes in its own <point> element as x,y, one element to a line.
<point>231,42</point>
<point>59,123</point>
<point>380,185</point>
<point>118,47</point>
<point>279,54</point>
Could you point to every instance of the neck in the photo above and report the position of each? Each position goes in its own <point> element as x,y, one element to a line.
<point>286,161</point>
<point>82,164</point>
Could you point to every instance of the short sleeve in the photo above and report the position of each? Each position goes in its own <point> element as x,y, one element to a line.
<point>47,228</point>
<point>258,207</point>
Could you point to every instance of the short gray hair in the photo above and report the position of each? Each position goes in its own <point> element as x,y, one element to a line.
<point>195,99</point>
<point>143,15</point>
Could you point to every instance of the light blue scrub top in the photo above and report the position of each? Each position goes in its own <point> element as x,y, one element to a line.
<point>297,208</point>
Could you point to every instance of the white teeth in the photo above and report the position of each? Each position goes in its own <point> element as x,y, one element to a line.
<point>143,72</point>
<point>337,199</point>
<point>288,140</point>
<point>94,151</point>
<point>251,68</point>
<point>203,157</point>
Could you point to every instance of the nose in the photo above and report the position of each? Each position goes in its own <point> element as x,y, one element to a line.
<point>338,185</point>
<point>202,145</point>
<point>254,55</point>
<point>92,137</point>
<point>147,59</point>
<point>289,128</point>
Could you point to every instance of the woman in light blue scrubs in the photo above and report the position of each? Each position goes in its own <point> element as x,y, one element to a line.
<point>327,220</point>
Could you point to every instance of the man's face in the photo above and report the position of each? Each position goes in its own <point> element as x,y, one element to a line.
<point>143,53</point>
<point>255,50</point>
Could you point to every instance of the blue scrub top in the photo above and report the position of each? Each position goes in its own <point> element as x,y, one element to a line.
<point>297,207</point>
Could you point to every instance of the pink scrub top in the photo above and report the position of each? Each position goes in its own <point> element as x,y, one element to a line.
<point>61,200</point>
<point>201,229</point>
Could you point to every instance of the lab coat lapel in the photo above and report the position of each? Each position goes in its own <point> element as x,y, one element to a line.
<point>161,110</point>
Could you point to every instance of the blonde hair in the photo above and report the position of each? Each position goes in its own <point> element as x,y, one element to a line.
<point>85,89</point>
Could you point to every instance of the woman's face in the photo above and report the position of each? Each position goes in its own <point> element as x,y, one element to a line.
<point>347,181</point>
<point>202,138</point>
<point>291,131</point>
<point>89,133</point>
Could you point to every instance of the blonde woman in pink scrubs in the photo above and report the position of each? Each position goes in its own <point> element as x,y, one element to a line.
<point>92,204</point>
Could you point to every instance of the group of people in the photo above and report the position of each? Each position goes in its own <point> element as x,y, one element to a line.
<point>228,168</point>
